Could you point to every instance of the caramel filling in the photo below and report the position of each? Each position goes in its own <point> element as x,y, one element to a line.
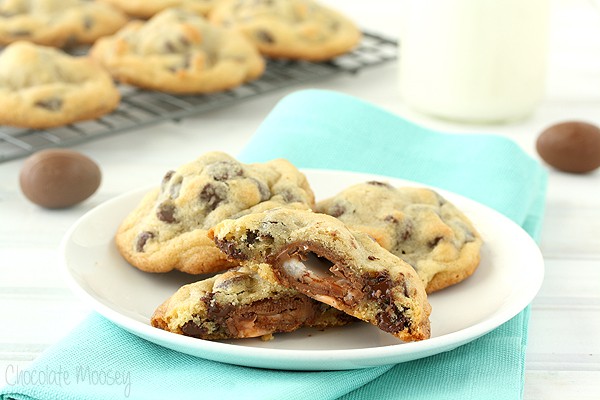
<point>260,318</point>
<point>316,272</point>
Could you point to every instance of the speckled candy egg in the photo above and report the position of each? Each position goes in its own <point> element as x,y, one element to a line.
<point>571,146</point>
<point>59,178</point>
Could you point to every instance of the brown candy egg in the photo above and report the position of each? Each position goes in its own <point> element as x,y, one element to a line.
<point>59,178</point>
<point>571,146</point>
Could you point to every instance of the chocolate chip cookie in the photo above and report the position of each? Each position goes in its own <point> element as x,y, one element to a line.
<point>292,29</point>
<point>168,229</point>
<point>57,22</point>
<point>42,87</point>
<point>317,255</point>
<point>416,224</point>
<point>239,304</point>
<point>148,8</point>
<point>180,52</point>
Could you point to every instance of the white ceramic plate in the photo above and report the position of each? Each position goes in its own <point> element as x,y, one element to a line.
<point>509,276</point>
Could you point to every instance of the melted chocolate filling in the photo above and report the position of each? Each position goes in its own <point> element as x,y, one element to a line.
<point>315,271</point>
<point>259,318</point>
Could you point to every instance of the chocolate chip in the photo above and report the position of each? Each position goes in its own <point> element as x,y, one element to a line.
<point>50,104</point>
<point>142,239</point>
<point>224,170</point>
<point>263,189</point>
<point>372,258</point>
<point>435,241</point>
<point>190,328</point>
<point>440,199</point>
<point>378,285</point>
<point>177,45</point>
<point>406,232</point>
<point>230,249</point>
<point>88,22</point>
<point>213,194</point>
<point>166,213</point>
<point>251,237</point>
<point>184,41</point>
<point>390,218</point>
<point>265,36</point>
<point>185,64</point>
<point>166,179</point>
<point>290,197</point>
<point>390,317</point>
<point>170,47</point>
<point>20,33</point>
<point>337,210</point>
<point>377,183</point>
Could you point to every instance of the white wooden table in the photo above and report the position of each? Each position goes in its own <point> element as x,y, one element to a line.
<point>563,356</point>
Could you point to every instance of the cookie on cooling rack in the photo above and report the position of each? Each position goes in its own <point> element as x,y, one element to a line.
<point>168,229</point>
<point>57,22</point>
<point>179,52</point>
<point>291,29</point>
<point>317,255</point>
<point>416,224</point>
<point>42,87</point>
<point>239,304</point>
<point>148,8</point>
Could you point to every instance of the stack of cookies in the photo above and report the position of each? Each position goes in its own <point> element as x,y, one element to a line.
<point>175,46</point>
<point>279,261</point>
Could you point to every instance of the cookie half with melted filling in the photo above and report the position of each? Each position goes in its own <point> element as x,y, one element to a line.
<point>42,87</point>
<point>317,255</point>
<point>180,52</point>
<point>291,29</point>
<point>239,304</point>
<point>416,224</point>
<point>168,229</point>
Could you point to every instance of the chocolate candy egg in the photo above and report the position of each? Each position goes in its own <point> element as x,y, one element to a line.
<point>59,178</point>
<point>572,146</point>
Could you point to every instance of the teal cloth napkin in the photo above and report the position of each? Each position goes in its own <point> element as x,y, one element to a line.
<point>319,129</point>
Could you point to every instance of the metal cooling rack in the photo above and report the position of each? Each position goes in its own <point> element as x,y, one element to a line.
<point>140,108</point>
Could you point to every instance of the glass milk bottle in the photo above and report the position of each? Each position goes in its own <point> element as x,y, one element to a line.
<point>474,60</point>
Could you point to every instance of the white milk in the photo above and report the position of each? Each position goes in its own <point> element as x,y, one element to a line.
<point>474,60</point>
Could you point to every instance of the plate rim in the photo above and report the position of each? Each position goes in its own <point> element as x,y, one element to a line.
<point>336,359</point>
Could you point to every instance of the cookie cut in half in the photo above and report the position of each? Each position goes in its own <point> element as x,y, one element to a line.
<point>290,29</point>
<point>168,229</point>
<point>416,224</point>
<point>147,8</point>
<point>58,22</point>
<point>239,304</point>
<point>180,52</point>
<point>317,255</point>
<point>42,87</point>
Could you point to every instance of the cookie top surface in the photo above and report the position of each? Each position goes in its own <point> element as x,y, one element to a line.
<point>294,29</point>
<point>322,258</point>
<point>416,224</point>
<point>43,87</point>
<point>177,51</point>
<point>168,230</point>
<point>57,22</point>
<point>148,8</point>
